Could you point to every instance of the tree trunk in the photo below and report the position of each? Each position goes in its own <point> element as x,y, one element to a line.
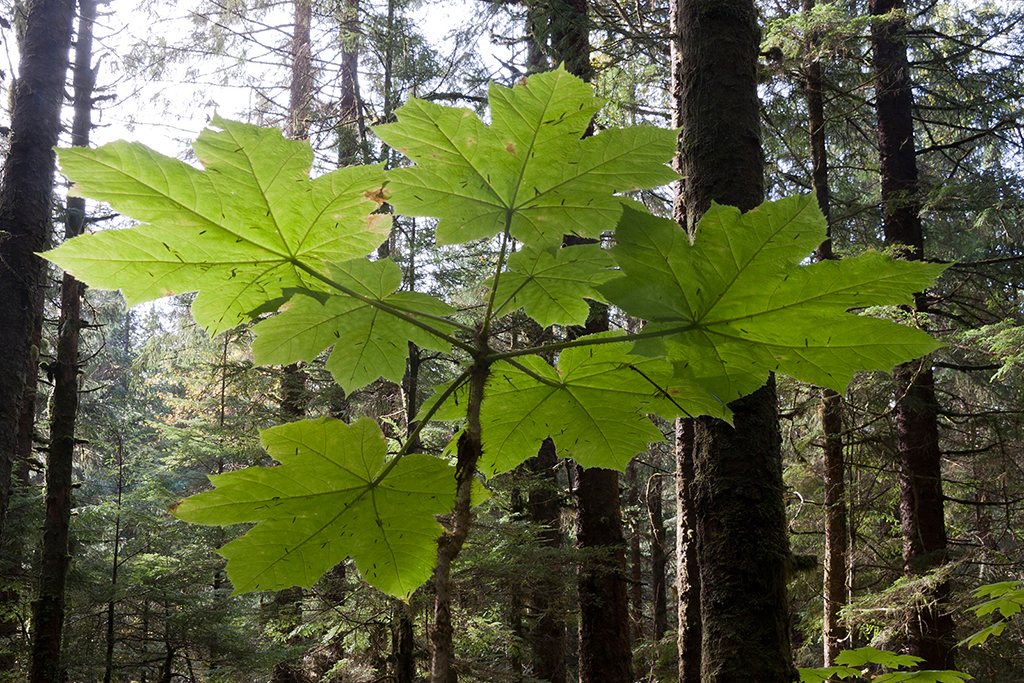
<point>687,565</point>
<point>659,560</point>
<point>830,409</point>
<point>294,400</point>
<point>636,581</point>
<point>738,493</point>
<point>604,652</point>
<point>351,126</point>
<point>917,439</point>
<point>547,634</point>
<point>26,192</point>
<point>605,655</point>
<point>403,644</point>
<point>442,664</point>
<point>48,609</point>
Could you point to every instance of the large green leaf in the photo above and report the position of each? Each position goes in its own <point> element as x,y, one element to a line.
<point>325,501</point>
<point>593,404</point>
<point>233,231</point>
<point>368,342</point>
<point>552,285</point>
<point>529,170</point>
<point>738,303</point>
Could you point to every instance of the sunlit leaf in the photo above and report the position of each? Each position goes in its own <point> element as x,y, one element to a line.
<point>368,342</point>
<point>233,231</point>
<point>552,285</point>
<point>529,171</point>
<point>738,303</point>
<point>326,501</point>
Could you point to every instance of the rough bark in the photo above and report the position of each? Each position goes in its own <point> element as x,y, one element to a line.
<point>351,125</point>
<point>288,602</point>
<point>26,192</point>
<point>300,102</point>
<point>738,493</point>
<point>917,440</point>
<point>830,408</point>
<point>604,653</point>
<point>48,608</point>
<point>403,645</point>
<point>687,566</point>
<point>836,537</point>
<point>442,664</point>
<point>659,560</point>
<point>636,581</point>
<point>547,634</point>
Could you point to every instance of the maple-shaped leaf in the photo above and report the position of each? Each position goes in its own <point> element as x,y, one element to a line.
<point>328,500</point>
<point>862,656</point>
<point>233,231</point>
<point>737,303</point>
<point>552,285</point>
<point>947,676</point>
<point>593,404</point>
<point>529,171</point>
<point>827,673</point>
<point>368,342</point>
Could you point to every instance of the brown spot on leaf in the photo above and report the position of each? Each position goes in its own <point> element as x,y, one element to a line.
<point>378,195</point>
<point>510,148</point>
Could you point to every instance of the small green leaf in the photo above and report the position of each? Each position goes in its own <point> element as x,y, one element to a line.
<point>824,674</point>
<point>324,502</point>
<point>863,656</point>
<point>984,634</point>
<point>924,677</point>
<point>530,171</point>
<point>552,285</point>
<point>233,231</point>
<point>368,342</point>
<point>593,404</point>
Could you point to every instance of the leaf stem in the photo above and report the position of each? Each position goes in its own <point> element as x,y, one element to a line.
<point>540,378</point>
<point>590,341</point>
<point>387,308</point>
<point>411,439</point>
<point>489,313</point>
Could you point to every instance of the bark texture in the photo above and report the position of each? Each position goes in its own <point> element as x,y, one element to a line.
<point>604,606</point>
<point>547,633</point>
<point>636,562</point>
<point>687,565</point>
<point>830,409</point>
<point>351,125</point>
<point>659,560</point>
<point>26,193</point>
<point>738,494</point>
<point>604,651</point>
<point>922,518</point>
<point>442,663</point>
<point>48,610</point>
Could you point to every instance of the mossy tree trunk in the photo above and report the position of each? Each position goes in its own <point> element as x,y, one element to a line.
<point>737,489</point>
<point>830,409</point>
<point>26,192</point>
<point>604,651</point>
<point>922,516</point>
